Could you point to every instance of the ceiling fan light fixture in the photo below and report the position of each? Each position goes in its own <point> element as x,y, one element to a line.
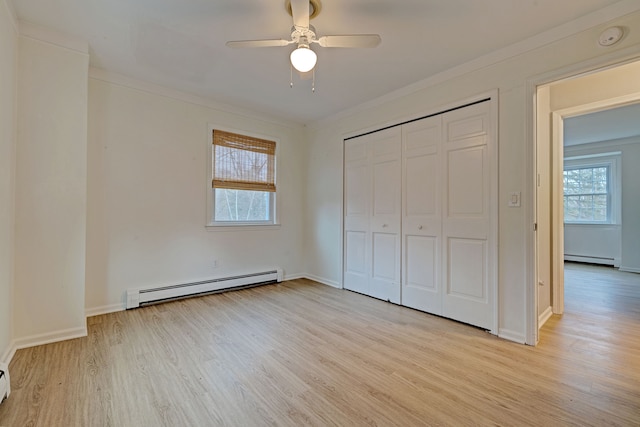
<point>303,59</point>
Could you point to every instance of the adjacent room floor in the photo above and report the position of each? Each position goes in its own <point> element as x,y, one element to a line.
<point>301,353</point>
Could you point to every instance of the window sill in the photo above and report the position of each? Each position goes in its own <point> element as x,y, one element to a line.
<point>242,227</point>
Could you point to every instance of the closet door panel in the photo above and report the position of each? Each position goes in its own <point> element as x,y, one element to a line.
<point>421,286</point>
<point>357,241</point>
<point>466,170</point>
<point>356,263</point>
<point>372,215</point>
<point>384,275</point>
<point>421,219</point>
<point>356,188</point>
<point>385,190</point>
<point>421,175</point>
<point>467,258</point>
<point>386,215</point>
<point>467,214</point>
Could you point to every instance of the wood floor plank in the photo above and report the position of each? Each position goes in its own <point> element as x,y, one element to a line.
<point>303,354</point>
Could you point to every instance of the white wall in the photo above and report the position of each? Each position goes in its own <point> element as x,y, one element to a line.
<point>147,183</point>
<point>50,202</point>
<point>8,87</point>
<point>593,243</point>
<point>629,231</point>
<point>510,77</point>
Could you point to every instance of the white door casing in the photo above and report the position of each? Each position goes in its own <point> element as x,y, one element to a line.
<point>543,206</point>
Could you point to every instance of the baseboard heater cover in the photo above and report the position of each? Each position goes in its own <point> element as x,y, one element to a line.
<point>590,259</point>
<point>140,297</point>
<point>5,384</point>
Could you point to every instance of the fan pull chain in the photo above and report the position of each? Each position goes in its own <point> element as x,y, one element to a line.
<point>313,82</point>
<point>291,76</point>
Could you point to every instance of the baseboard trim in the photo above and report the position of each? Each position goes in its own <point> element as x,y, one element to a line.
<point>105,309</point>
<point>324,281</point>
<point>51,337</point>
<point>544,316</point>
<point>512,336</point>
<point>8,354</point>
<point>629,269</point>
<point>293,277</point>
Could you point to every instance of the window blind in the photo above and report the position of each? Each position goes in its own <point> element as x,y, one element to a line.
<point>242,162</point>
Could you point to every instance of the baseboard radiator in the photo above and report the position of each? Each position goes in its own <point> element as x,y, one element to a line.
<point>591,259</point>
<point>5,385</point>
<point>141,297</point>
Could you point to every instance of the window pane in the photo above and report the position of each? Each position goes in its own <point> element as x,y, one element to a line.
<point>571,182</point>
<point>571,208</point>
<point>585,208</point>
<point>586,194</point>
<point>242,205</point>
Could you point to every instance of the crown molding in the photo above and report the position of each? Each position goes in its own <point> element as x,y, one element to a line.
<point>47,35</point>
<point>155,89</point>
<point>591,20</point>
<point>11,11</point>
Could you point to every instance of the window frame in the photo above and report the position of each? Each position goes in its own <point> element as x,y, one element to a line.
<point>610,161</point>
<point>274,197</point>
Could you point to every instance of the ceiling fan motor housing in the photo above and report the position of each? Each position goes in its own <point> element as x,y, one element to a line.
<point>303,35</point>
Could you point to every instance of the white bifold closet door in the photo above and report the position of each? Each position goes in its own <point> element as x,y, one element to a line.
<point>372,215</point>
<point>448,203</point>
<point>420,215</point>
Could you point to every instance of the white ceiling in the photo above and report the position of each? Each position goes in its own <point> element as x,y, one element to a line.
<point>616,123</point>
<point>180,44</point>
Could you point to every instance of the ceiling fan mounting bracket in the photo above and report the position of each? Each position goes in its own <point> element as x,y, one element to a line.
<point>314,8</point>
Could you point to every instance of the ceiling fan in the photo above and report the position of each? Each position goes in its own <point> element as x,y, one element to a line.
<point>303,35</point>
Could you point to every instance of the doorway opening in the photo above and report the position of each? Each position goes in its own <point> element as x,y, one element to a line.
<point>581,141</point>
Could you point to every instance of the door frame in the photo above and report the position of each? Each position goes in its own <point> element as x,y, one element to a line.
<point>596,65</point>
<point>557,217</point>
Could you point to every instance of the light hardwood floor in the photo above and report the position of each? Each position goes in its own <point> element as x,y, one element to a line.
<point>301,353</point>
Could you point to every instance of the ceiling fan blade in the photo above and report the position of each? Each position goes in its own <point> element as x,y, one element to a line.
<point>258,43</point>
<point>300,13</point>
<point>353,40</point>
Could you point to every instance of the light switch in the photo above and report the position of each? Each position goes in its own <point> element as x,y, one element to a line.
<point>514,199</point>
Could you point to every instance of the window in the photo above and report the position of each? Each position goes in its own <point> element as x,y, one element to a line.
<point>586,194</point>
<point>243,180</point>
<point>590,194</point>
